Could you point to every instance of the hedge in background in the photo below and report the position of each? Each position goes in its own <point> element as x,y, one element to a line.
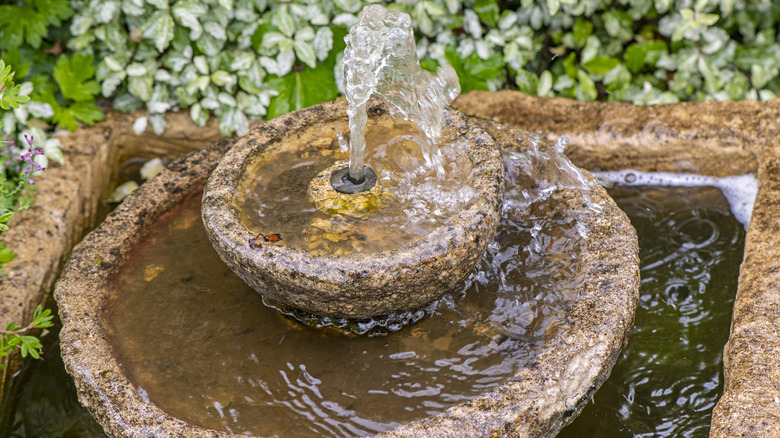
<point>246,59</point>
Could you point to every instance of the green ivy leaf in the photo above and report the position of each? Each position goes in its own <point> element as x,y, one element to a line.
<point>308,87</point>
<point>601,65</point>
<point>586,85</point>
<point>581,30</point>
<point>302,89</point>
<point>634,57</point>
<point>545,83</point>
<point>487,11</point>
<point>73,76</point>
<point>527,82</point>
<point>6,255</point>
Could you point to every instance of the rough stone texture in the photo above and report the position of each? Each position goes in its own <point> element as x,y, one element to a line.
<point>710,138</point>
<point>542,397</point>
<point>355,285</point>
<point>66,205</point>
<point>750,405</point>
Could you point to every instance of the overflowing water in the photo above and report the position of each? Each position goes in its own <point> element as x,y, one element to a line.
<point>381,59</point>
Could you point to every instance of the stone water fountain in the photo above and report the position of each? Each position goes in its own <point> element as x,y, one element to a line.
<point>544,391</point>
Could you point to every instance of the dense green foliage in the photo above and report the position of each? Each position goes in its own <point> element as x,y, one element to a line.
<point>244,59</point>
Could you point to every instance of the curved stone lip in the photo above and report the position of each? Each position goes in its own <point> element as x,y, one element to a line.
<point>544,395</point>
<point>356,285</point>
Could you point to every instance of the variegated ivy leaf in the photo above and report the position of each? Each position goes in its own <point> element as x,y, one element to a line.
<point>226,4</point>
<point>159,28</point>
<point>233,120</point>
<point>422,20</point>
<point>187,13</point>
<point>323,42</point>
<point>151,168</point>
<point>241,61</point>
<point>113,64</point>
<point>110,84</point>
<point>201,64</point>
<point>304,34</point>
<point>107,11</point>
<point>39,110</point>
<point>158,123</point>
<point>133,8</point>
<point>305,53</point>
<point>286,44</point>
<point>352,6</point>
<point>160,101</point>
<point>285,61</point>
<point>209,45</point>
<point>162,75</point>
<point>221,78</point>
<point>272,39</point>
<point>471,23</point>
<point>141,86</point>
<point>284,21</point>
<point>140,124</point>
<point>345,20</point>
<point>251,105</point>
<point>81,24</point>
<point>270,65</point>
<point>226,100</point>
<point>253,79</point>
<point>159,4</point>
<point>199,115</point>
<point>136,69</point>
<point>215,30</point>
<point>52,149</point>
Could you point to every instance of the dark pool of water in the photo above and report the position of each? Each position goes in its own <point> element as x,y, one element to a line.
<point>667,379</point>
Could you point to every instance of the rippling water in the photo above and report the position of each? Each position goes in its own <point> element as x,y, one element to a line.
<point>669,377</point>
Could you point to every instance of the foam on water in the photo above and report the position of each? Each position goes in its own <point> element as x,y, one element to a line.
<point>740,191</point>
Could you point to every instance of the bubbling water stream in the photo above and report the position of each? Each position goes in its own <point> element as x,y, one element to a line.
<point>381,59</point>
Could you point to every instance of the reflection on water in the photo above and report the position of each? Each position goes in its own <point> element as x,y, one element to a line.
<point>669,377</point>
<point>665,383</point>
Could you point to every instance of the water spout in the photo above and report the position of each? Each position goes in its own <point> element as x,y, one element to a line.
<point>381,59</point>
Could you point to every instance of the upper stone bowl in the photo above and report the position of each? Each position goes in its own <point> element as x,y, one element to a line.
<point>354,285</point>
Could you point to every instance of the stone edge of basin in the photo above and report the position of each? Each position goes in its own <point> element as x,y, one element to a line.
<point>539,400</point>
<point>356,285</point>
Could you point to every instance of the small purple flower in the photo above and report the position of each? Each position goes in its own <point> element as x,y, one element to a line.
<point>28,157</point>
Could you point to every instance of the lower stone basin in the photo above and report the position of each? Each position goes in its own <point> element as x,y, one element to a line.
<point>545,393</point>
